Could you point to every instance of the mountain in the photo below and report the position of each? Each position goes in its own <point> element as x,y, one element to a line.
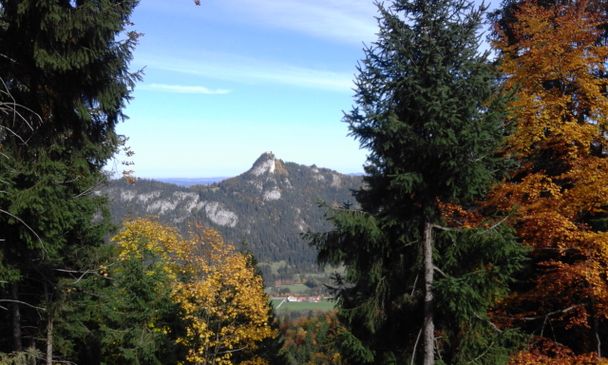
<point>263,210</point>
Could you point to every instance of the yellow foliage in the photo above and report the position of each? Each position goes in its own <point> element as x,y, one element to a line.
<point>221,297</point>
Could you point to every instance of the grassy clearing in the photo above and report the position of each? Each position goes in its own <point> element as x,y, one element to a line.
<point>276,265</point>
<point>286,307</point>
<point>295,288</point>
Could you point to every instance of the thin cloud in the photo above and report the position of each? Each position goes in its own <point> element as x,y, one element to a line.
<point>344,21</point>
<point>238,69</point>
<point>341,21</point>
<point>183,89</point>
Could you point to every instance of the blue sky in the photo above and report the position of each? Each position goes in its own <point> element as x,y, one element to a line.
<point>231,79</point>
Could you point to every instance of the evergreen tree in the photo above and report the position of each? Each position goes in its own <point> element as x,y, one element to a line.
<point>428,111</point>
<point>66,62</point>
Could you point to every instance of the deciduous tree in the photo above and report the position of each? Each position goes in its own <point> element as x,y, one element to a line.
<point>554,60</point>
<point>221,299</point>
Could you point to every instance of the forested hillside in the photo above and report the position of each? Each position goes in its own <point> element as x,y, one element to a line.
<point>264,210</point>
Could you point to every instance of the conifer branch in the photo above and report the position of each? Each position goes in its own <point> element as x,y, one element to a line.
<point>474,361</point>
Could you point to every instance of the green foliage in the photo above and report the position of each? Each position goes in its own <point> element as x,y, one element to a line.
<point>429,112</point>
<point>480,263</point>
<point>27,357</point>
<point>65,66</point>
<point>123,314</point>
<point>353,350</point>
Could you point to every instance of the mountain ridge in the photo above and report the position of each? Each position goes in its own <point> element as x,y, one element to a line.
<point>263,210</point>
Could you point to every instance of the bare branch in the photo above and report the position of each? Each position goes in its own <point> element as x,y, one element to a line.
<point>231,351</point>
<point>82,273</point>
<point>414,286</point>
<point>499,223</point>
<point>566,310</point>
<point>415,345</point>
<point>447,229</point>
<point>21,302</point>
<point>27,226</point>
<point>439,271</point>
<point>546,316</point>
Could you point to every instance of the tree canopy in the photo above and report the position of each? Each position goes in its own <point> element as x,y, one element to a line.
<point>555,62</point>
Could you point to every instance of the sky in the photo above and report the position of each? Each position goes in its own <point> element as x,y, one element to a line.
<point>228,80</point>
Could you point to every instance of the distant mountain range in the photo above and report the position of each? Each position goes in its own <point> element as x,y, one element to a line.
<point>185,181</point>
<point>264,210</point>
<point>191,181</point>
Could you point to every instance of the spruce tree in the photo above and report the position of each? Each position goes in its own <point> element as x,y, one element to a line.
<point>428,110</point>
<point>66,62</point>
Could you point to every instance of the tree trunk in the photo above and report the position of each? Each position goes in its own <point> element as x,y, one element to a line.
<point>428,326</point>
<point>16,318</point>
<point>49,340</point>
<point>49,327</point>
<point>597,335</point>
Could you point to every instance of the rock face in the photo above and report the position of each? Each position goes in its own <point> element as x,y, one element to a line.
<point>264,209</point>
<point>219,215</point>
<point>265,164</point>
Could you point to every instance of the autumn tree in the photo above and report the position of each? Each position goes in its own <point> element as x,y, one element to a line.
<point>313,340</point>
<point>222,305</point>
<point>428,112</point>
<point>554,60</point>
<point>123,311</point>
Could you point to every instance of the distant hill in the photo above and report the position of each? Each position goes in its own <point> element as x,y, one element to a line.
<point>181,181</point>
<point>263,210</point>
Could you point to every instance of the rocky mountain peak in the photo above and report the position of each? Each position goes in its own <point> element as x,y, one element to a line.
<point>268,207</point>
<point>267,163</point>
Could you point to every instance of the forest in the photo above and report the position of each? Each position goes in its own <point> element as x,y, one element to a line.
<point>479,235</point>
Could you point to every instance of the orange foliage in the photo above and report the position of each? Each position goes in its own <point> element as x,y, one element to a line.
<point>457,216</point>
<point>560,118</point>
<point>544,352</point>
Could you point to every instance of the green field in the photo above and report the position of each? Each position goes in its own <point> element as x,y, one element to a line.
<point>295,288</point>
<point>286,307</point>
